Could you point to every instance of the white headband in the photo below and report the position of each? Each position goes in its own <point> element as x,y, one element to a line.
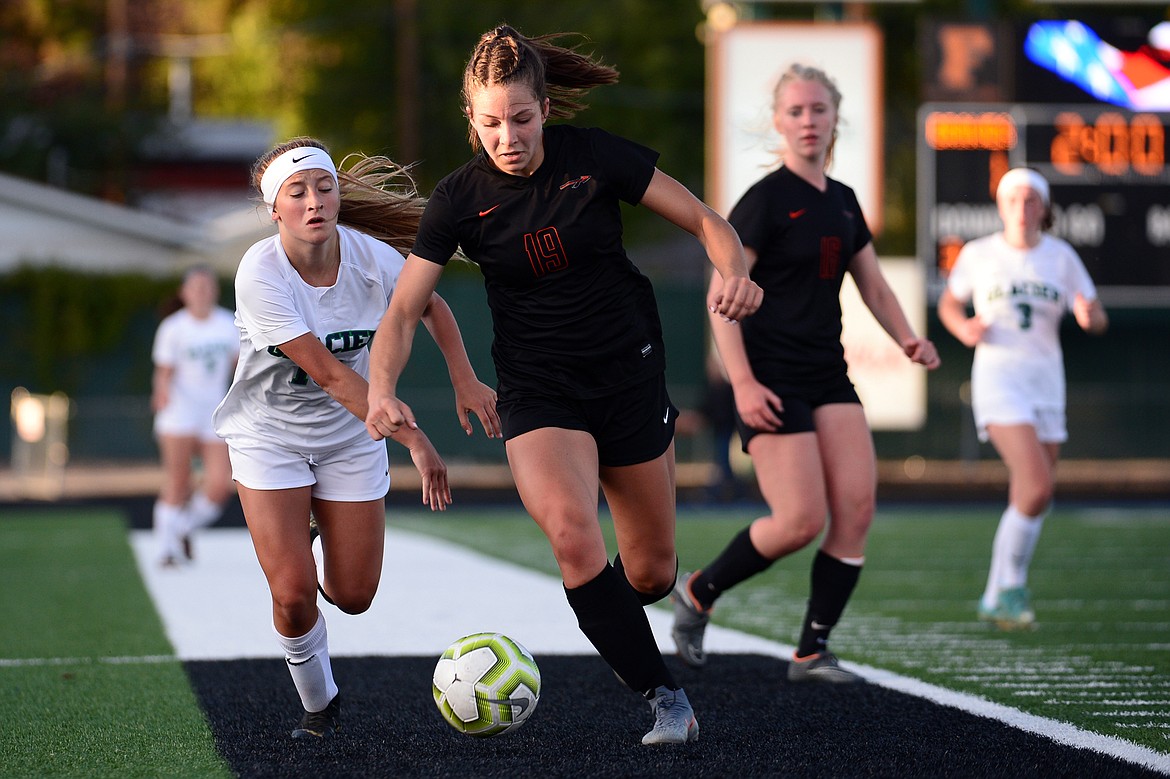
<point>1023,177</point>
<point>293,161</point>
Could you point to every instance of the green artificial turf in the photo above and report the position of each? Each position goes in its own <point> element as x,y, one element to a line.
<point>89,686</point>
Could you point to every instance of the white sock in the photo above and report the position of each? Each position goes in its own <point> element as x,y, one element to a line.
<point>169,522</point>
<point>1011,553</point>
<point>202,512</point>
<point>998,552</point>
<point>1024,532</point>
<point>307,658</point>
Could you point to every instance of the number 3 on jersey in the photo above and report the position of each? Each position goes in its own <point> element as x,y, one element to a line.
<point>1025,310</point>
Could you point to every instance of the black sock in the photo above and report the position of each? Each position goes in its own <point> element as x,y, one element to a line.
<point>739,560</point>
<point>645,598</point>
<point>615,623</point>
<point>832,584</point>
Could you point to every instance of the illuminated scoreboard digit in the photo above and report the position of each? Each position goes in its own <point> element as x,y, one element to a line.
<point>1106,146</point>
<point>1106,167</point>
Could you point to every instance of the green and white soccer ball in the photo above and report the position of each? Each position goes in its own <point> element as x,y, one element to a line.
<point>486,684</point>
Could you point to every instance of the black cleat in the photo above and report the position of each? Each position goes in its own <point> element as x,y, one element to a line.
<point>320,724</point>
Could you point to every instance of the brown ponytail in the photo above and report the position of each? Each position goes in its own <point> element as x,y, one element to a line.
<point>504,56</point>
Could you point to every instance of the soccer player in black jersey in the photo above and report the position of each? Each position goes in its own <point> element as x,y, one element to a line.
<point>577,344</point>
<point>798,415</point>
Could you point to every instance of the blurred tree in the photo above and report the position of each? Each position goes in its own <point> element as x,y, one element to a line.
<point>83,84</point>
<point>83,81</point>
<point>251,79</point>
<point>54,124</point>
<point>379,77</point>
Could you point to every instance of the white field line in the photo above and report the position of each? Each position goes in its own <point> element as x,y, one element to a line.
<point>1077,688</point>
<point>443,591</point>
<point>32,662</point>
<point>1057,731</point>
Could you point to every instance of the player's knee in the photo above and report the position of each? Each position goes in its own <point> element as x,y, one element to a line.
<point>353,606</point>
<point>573,546</point>
<point>1035,503</point>
<point>802,528</point>
<point>859,522</point>
<point>659,592</point>
<point>650,583</point>
<point>1033,497</point>
<point>354,597</point>
<point>293,604</point>
<point>651,589</point>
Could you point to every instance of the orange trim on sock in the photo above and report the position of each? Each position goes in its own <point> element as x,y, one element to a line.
<point>691,594</point>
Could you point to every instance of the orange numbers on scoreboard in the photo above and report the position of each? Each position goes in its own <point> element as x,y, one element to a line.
<point>1111,144</point>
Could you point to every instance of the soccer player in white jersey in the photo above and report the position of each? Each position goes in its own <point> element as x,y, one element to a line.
<point>1020,282</point>
<point>308,301</point>
<point>194,353</point>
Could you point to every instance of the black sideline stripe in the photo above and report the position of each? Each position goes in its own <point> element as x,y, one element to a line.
<point>754,724</point>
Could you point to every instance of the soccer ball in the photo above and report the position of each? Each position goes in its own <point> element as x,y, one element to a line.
<point>486,684</point>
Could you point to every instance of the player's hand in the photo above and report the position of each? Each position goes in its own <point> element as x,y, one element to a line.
<point>736,298</point>
<point>758,406</point>
<point>971,331</point>
<point>436,490</point>
<point>479,399</point>
<point>923,352</point>
<point>1090,314</point>
<point>386,415</point>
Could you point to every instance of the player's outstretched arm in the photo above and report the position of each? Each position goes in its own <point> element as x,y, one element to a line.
<point>737,296</point>
<point>337,379</point>
<point>756,404</point>
<point>471,395</point>
<point>880,299</point>
<point>390,350</point>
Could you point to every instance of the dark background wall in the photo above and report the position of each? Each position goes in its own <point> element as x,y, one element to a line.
<point>1118,384</point>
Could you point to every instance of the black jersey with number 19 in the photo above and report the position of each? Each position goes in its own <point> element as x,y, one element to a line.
<point>571,313</point>
<point>804,240</point>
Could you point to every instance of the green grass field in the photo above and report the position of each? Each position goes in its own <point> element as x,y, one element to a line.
<point>89,685</point>
<point>1099,658</point>
<point>88,676</point>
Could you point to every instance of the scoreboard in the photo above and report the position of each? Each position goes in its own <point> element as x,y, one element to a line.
<point>1106,167</point>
